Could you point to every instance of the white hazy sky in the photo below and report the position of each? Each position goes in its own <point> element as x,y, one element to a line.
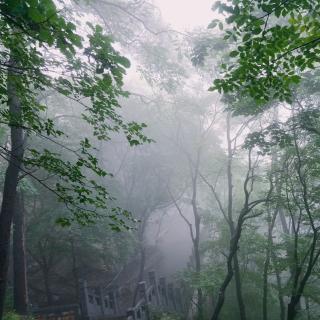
<point>186,14</point>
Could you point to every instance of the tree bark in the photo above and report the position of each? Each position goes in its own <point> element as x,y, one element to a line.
<point>20,293</point>
<point>234,241</point>
<point>75,271</point>
<point>196,238</point>
<point>278,212</point>
<point>293,305</point>
<point>199,290</point>
<point>11,180</point>
<point>222,290</point>
<point>237,276</point>
<point>279,288</point>
<point>47,286</point>
<point>308,309</point>
<point>271,222</point>
<point>142,256</point>
<point>140,275</point>
<point>301,277</point>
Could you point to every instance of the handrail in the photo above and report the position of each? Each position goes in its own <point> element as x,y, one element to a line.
<point>149,289</point>
<point>151,293</point>
<point>138,304</point>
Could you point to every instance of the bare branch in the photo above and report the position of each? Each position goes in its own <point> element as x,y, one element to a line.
<point>189,224</point>
<point>213,190</point>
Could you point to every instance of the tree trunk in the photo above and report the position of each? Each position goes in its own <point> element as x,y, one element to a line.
<point>20,293</point>
<point>278,212</point>
<point>140,275</point>
<point>294,304</point>
<point>279,288</point>
<point>11,180</point>
<point>271,222</point>
<point>142,229</point>
<point>237,276</point>
<point>234,241</point>
<point>198,270</point>
<point>47,286</point>
<point>75,271</point>
<point>308,309</point>
<point>196,238</point>
<point>265,286</point>
<point>301,279</point>
<point>292,310</point>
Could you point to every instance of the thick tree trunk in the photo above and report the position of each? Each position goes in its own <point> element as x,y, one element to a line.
<point>20,293</point>
<point>10,182</point>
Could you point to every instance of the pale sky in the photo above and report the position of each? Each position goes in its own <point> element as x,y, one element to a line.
<point>186,14</point>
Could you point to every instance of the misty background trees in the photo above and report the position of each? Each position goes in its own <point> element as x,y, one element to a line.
<point>116,159</point>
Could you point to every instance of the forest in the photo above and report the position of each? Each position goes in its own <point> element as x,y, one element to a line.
<point>159,160</point>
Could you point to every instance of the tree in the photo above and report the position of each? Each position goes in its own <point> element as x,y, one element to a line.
<point>275,43</point>
<point>87,70</point>
<point>244,214</point>
<point>194,226</point>
<point>276,47</point>
<point>194,141</point>
<point>59,257</point>
<point>299,198</point>
<point>20,289</point>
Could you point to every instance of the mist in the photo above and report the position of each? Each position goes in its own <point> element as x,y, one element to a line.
<point>159,160</point>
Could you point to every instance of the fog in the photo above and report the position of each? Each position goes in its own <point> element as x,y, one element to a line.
<point>159,160</point>
<point>195,13</point>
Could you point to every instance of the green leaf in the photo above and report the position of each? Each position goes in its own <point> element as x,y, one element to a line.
<point>35,15</point>
<point>233,54</point>
<point>64,222</point>
<point>246,37</point>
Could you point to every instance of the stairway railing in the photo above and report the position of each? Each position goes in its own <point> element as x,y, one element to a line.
<point>97,303</point>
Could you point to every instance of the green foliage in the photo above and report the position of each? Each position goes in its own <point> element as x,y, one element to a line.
<point>8,303</point>
<point>158,315</point>
<point>85,69</point>
<point>15,316</point>
<point>68,254</point>
<point>266,140</point>
<point>275,43</point>
<point>203,45</point>
<point>11,316</point>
